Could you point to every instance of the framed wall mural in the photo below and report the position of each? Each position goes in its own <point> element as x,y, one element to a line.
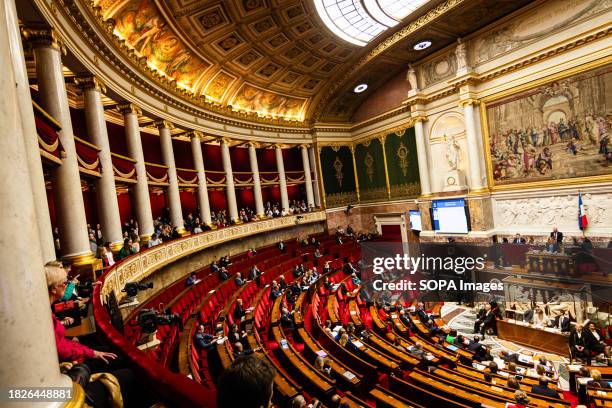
<point>554,131</point>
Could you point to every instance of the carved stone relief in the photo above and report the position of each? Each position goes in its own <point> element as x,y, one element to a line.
<point>526,213</point>
<point>540,22</point>
<point>439,69</point>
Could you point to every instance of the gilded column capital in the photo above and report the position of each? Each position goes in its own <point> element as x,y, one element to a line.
<point>90,81</point>
<point>225,140</point>
<point>252,144</point>
<point>420,118</point>
<point>382,138</point>
<point>43,37</point>
<point>126,108</point>
<point>304,146</point>
<point>163,124</point>
<point>194,134</point>
<point>469,101</point>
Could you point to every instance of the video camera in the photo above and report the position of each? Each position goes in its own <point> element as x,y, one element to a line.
<point>149,319</point>
<point>131,288</point>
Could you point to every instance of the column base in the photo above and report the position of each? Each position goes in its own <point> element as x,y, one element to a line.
<point>238,221</point>
<point>144,239</point>
<point>78,397</point>
<point>80,259</point>
<point>183,232</point>
<point>116,246</point>
<point>425,196</point>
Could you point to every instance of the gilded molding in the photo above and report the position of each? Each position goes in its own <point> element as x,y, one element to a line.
<point>90,82</point>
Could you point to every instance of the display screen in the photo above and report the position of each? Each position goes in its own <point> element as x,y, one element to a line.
<point>449,216</point>
<point>415,220</point>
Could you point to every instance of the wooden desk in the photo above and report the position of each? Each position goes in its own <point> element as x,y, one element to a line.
<point>386,399</point>
<point>299,366</point>
<point>553,263</point>
<point>532,337</point>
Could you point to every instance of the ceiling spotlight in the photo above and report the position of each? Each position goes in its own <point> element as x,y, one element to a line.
<point>360,88</point>
<point>422,45</point>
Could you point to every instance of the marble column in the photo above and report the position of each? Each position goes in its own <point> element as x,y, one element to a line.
<point>229,180</point>
<point>106,193</point>
<point>174,197</point>
<point>69,205</point>
<point>315,182</point>
<point>476,178</point>
<point>259,207</point>
<point>196,151</point>
<point>28,352</point>
<point>307,176</point>
<point>142,200</point>
<point>422,157</point>
<point>24,100</point>
<point>280,166</point>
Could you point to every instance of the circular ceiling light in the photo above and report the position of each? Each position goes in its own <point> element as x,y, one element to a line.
<point>360,88</point>
<point>422,45</point>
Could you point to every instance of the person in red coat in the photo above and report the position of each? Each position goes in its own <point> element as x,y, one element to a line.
<point>68,350</point>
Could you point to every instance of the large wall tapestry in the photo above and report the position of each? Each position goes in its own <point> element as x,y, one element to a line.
<point>371,171</point>
<point>338,176</point>
<point>402,164</point>
<point>558,130</point>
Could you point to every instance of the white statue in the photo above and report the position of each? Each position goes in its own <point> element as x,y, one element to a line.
<point>452,152</point>
<point>412,78</point>
<point>461,55</point>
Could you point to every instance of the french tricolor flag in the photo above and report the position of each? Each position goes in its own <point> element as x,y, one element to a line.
<point>582,217</point>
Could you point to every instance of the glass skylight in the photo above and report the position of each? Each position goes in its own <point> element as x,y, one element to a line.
<point>359,21</point>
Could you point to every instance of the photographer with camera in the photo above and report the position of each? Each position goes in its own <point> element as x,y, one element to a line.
<point>114,386</point>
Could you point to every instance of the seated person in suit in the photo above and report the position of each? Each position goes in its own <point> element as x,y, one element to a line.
<point>282,247</point>
<point>483,354</point>
<point>488,321</point>
<point>594,342</point>
<point>417,350</point>
<point>597,381</point>
<point>239,281</point>
<point>275,291</point>
<point>223,274</point>
<point>421,313</point>
<point>474,344</point>
<point>286,318</point>
<point>513,383</point>
<point>254,273</point>
<point>508,356</point>
<point>563,322</point>
<point>521,400</point>
<point>214,267</point>
<point>239,311</point>
<point>577,343</point>
<point>192,279</point>
<point>542,388</point>
<point>203,340</point>
<point>518,239</point>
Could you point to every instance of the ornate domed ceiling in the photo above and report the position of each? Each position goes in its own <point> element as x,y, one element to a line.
<point>276,58</point>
